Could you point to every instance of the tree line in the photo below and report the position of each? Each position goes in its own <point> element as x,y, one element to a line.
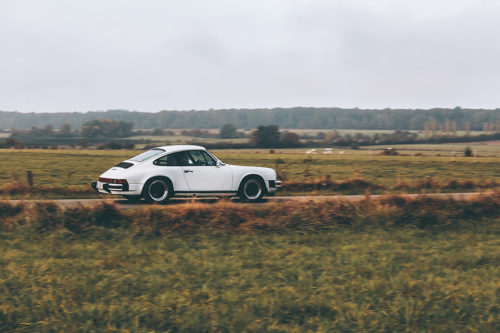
<point>103,132</point>
<point>299,117</point>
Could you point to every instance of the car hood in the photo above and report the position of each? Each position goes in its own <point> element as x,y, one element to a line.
<point>267,172</point>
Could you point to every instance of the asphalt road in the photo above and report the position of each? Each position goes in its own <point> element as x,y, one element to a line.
<point>125,204</point>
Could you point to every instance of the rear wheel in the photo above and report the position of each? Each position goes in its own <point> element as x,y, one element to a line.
<point>252,189</point>
<point>157,190</point>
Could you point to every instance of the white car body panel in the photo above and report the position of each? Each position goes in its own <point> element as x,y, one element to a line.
<point>221,178</point>
<point>186,180</point>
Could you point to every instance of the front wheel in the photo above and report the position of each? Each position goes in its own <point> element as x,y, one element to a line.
<point>251,189</point>
<point>157,190</point>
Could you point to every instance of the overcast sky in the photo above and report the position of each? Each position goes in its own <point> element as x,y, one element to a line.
<point>151,55</point>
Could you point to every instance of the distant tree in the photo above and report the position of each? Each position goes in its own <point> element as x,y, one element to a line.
<point>297,117</point>
<point>265,136</point>
<point>65,129</point>
<point>427,127</point>
<point>48,129</point>
<point>158,132</point>
<point>330,136</point>
<point>197,133</point>
<point>228,131</point>
<point>106,128</point>
<point>290,139</point>
<point>320,135</point>
<point>12,143</point>
<point>467,128</point>
<point>468,152</point>
<point>454,128</point>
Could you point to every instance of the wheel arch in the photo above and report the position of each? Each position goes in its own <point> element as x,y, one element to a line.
<point>253,175</point>
<point>158,177</point>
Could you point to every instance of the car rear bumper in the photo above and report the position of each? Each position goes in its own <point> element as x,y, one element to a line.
<point>121,189</point>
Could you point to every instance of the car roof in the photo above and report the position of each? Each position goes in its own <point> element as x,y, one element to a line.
<point>175,148</point>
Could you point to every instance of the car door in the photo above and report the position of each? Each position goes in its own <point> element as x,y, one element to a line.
<point>169,167</point>
<point>204,175</point>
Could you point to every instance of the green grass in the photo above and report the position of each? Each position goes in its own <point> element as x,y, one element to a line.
<point>77,168</point>
<point>483,149</point>
<point>340,280</point>
<point>392,264</point>
<point>380,169</point>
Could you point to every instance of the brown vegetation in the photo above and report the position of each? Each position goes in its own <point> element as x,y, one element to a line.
<point>388,211</point>
<point>16,187</point>
<point>352,185</point>
<point>358,184</point>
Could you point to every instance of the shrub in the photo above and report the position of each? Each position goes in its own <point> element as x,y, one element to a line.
<point>468,152</point>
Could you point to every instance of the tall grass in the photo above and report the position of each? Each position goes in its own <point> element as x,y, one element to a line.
<point>355,185</point>
<point>116,273</point>
<point>387,211</point>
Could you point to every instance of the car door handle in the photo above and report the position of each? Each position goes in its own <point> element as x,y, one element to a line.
<point>187,171</point>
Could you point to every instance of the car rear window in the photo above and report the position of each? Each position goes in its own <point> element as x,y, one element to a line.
<point>147,155</point>
<point>124,165</point>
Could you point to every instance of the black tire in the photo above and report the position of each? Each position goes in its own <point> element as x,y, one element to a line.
<point>252,189</point>
<point>133,197</point>
<point>158,190</point>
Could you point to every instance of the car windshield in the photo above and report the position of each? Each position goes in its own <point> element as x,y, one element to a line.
<point>213,156</point>
<point>146,155</point>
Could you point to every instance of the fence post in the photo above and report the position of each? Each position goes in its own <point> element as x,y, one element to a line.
<point>29,175</point>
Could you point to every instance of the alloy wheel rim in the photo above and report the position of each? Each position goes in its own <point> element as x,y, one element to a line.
<point>252,189</point>
<point>158,190</point>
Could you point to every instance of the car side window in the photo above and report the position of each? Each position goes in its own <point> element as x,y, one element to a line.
<point>198,158</point>
<point>182,158</point>
<point>162,161</point>
<point>176,159</point>
<point>209,159</point>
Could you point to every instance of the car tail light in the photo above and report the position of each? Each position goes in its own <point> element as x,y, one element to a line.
<point>113,181</point>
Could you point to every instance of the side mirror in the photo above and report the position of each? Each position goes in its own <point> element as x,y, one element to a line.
<point>220,163</point>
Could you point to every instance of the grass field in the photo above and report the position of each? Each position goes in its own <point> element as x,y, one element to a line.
<point>430,267</point>
<point>404,280</point>
<point>77,168</point>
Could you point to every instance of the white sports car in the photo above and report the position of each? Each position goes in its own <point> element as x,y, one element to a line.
<point>163,172</point>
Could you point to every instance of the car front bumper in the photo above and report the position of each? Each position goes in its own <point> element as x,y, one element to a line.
<point>274,185</point>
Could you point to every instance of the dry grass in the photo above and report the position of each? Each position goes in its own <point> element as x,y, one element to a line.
<point>18,189</point>
<point>358,185</point>
<point>354,185</point>
<point>393,210</point>
<point>394,264</point>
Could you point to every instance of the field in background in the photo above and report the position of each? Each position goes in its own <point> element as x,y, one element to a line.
<point>178,138</point>
<point>75,169</point>
<point>144,138</point>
